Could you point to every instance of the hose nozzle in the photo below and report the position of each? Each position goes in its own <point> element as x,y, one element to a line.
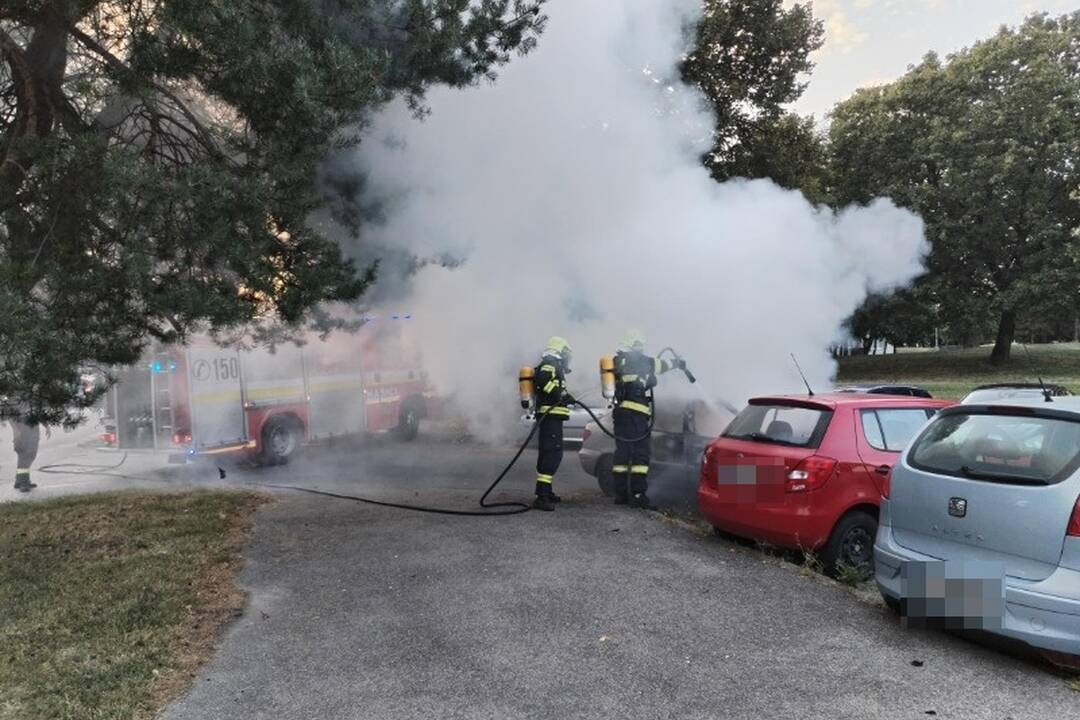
<point>681,364</point>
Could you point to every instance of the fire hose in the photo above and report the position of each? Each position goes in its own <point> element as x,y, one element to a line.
<point>489,509</point>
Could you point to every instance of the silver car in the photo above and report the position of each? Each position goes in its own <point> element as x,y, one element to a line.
<point>573,428</point>
<point>980,529</point>
<point>987,394</point>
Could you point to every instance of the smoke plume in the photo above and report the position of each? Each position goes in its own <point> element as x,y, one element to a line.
<point>573,192</point>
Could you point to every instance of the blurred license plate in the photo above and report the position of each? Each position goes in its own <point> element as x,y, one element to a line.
<point>753,481</point>
<point>955,595</point>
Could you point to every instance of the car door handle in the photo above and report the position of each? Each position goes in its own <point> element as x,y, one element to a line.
<point>883,469</point>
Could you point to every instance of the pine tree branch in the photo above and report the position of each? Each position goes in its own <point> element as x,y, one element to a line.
<point>26,115</point>
<point>202,133</point>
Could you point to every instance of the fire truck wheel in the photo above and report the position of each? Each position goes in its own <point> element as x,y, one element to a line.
<point>408,423</point>
<point>280,439</point>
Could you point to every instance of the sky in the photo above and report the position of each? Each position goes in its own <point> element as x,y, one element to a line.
<point>870,42</point>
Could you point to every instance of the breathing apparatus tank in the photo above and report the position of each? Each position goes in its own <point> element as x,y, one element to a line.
<point>607,377</point>
<point>527,386</point>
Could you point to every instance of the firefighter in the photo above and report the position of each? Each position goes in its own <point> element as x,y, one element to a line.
<point>25,439</point>
<point>552,410</point>
<point>635,376</point>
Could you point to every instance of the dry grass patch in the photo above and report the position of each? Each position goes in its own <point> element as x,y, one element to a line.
<point>109,603</point>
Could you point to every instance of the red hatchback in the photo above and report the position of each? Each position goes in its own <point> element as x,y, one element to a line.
<point>807,471</point>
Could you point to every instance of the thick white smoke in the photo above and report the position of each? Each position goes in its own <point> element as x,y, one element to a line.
<point>573,189</point>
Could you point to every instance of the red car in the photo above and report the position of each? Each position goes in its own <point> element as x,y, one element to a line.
<point>807,471</point>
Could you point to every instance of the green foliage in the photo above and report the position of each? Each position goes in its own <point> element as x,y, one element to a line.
<point>749,60</point>
<point>986,147</point>
<point>853,575</point>
<point>901,318</point>
<point>159,158</point>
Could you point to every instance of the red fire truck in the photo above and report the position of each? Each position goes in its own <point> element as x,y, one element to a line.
<point>203,399</point>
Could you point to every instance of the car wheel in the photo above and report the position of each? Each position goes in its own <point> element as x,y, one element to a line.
<point>408,423</point>
<point>851,543</point>
<point>604,476</point>
<point>280,440</point>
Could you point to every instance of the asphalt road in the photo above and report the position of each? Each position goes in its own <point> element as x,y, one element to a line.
<point>591,611</point>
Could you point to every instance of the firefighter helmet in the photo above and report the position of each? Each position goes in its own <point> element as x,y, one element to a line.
<point>560,347</point>
<point>634,340</point>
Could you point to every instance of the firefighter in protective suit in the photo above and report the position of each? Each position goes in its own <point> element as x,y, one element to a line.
<point>635,376</point>
<point>25,439</point>
<point>552,410</point>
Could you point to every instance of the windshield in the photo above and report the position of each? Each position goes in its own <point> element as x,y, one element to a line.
<point>781,424</point>
<point>999,448</point>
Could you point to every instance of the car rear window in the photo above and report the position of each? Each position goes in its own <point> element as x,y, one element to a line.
<point>991,395</point>
<point>996,447</point>
<point>891,429</point>
<point>780,424</point>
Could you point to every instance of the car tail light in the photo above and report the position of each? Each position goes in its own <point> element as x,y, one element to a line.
<point>810,474</point>
<point>108,438</point>
<point>1074,523</point>
<point>707,473</point>
<point>181,439</point>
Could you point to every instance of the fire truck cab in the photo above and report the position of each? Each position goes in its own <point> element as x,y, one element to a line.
<point>203,399</point>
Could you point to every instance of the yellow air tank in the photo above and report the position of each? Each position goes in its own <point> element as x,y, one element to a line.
<point>607,377</point>
<point>526,386</point>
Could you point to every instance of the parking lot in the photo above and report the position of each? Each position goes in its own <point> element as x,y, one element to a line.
<point>593,610</point>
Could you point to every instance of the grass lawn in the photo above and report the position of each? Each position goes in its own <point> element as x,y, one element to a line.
<point>110,602</point>
<point>953,374</point>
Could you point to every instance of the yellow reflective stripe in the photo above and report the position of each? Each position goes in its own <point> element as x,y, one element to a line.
<point>548,368</point>
<point>552,384</point>
<point>212,398</point>
<point>22,471</point>
<point>557,410</point>
<point>629,378</point>
<point>622,469</point>
<point>659,366</point>
<point>639,407</point>
<point>546,479</point>
<point>276,393</point>
<point>334,385</point>
<point>639,469</point>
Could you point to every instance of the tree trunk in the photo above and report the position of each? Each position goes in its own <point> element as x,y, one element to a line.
<point>1006,333</point>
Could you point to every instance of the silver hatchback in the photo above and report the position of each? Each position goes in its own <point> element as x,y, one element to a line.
<point>980,529</point>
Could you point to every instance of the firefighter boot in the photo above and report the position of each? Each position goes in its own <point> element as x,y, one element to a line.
<point>22,481</point>
<point>543,502</point>
<point>641,500</point>
<point>554,498</point>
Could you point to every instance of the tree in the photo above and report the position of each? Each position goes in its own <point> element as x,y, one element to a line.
<point>749,59</point>
<point>899,318</point>
<point>158,163</point>
<point>986,147</point>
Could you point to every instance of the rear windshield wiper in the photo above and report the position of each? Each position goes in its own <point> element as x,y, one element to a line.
<point>970,472</point>
<point>762,437</point>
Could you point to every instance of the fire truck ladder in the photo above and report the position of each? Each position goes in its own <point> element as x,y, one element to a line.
<point>162,413</point>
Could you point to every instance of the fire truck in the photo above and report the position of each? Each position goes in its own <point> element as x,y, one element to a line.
<point>203,399</point>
